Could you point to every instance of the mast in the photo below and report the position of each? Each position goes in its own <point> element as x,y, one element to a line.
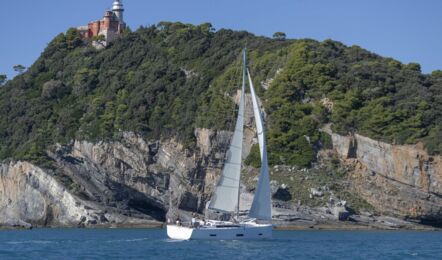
<point>226,195</point>
<point>243,95</point>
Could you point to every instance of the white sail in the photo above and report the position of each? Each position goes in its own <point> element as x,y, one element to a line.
<point>261,206</point>
<point>226,195</point>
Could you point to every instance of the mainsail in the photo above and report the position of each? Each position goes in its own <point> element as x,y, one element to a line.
<point>226,195</point>
<point>261,206</point>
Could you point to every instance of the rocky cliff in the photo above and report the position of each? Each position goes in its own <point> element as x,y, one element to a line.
<point>131,182</point>
<point>127,182</point>
<point>399,180</point>
<point>136,182</point>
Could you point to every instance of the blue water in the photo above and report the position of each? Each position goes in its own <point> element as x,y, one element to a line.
<point>153,244</point>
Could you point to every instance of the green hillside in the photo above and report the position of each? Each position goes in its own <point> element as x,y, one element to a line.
<point>165,80</point>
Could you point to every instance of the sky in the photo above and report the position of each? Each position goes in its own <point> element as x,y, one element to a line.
<point>406,30</point>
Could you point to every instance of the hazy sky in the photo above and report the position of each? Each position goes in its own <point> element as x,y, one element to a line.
<point>407,30</point>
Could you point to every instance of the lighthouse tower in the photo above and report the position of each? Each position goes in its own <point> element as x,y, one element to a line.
<point>111,26</point>
<point>117,8</point>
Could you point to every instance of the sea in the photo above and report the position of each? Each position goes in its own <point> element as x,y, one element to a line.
<point>154,244</point>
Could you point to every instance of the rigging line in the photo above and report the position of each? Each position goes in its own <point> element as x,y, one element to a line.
<point>235,146</point>
<point>231,119</point>
<point>188,181</point>
<point>234,108</point>
<point>228,186</point>
<point>230,178</point>
<point>231,163</point>
<point>220,210</point>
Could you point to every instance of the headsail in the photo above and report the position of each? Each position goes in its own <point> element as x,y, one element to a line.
<point>261,206</point>
<point>226,195</point>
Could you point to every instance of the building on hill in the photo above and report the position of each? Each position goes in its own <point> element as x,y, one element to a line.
<point>111,26</point>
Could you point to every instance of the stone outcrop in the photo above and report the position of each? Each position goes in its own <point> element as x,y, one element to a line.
<point>28,195</point>
<point>127,182</point>
<point>398,180</point>
<point>131,181</point>
<point>137,182</point>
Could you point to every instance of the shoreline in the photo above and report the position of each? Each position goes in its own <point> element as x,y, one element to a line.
<point>350,227</point>
<point>282,227</point>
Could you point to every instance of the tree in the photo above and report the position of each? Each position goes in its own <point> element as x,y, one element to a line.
<point>414,66</point>
<point>73,38</point>
<point>2,79</point>
<point>206,28</point>
<point>279,36</point>
<point>127,31</point>
<point>99,38</point>
<point>19,68</point>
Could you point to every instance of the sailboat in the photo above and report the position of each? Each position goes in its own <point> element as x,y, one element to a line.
<point>257,225</point>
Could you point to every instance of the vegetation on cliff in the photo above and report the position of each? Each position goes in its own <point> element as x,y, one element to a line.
<point>165,80</point>
<point>3,79</point>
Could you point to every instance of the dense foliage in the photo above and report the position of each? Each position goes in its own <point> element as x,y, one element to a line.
<point>3,79</point>
<point>355,90</point>
<point>165,80</point>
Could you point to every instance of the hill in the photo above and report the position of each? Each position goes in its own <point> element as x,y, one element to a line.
<point>137,132</point>
<point>169,79</point>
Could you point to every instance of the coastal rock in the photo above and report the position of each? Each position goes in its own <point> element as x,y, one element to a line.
<point>398,180</point>
<point>131,182</point>
<point>282,193</point>
<point>29,195</point>
<point>338,209</point>
<point>315,192</point>
<point>134,181</point>
<point>16,223</point>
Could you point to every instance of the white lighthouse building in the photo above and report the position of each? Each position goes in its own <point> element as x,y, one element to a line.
<point>118,10</point>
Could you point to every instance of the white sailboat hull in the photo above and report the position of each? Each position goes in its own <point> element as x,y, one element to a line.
<point>242,231</point>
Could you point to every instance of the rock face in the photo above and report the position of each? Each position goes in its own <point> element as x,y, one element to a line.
<point>137,182</point>
<point>127,182</point>
<point>30,195</point>
<point>131,181</point>
<point>399,180</point>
